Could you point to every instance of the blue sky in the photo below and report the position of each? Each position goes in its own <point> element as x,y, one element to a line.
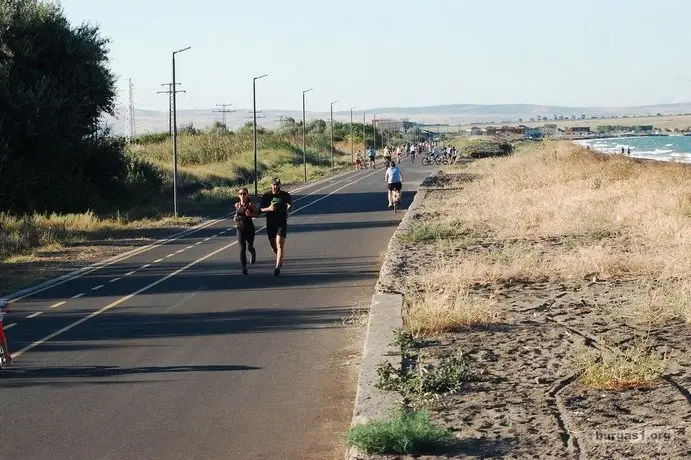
<point>384,53</point>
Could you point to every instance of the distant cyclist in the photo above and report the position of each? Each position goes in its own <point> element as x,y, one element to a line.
<point>387,157</point>
<point>3,340</point>
<point>394,181</point>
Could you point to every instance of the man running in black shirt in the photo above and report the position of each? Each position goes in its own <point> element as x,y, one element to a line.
<point>276,204</point>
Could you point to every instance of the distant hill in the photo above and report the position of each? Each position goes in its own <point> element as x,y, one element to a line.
<point>453,114</point>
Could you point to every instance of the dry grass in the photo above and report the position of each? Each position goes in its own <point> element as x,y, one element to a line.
<point>20,235</point>
<point>555,211</point>
<point>628,218</point>
<point>656,303</point>
<point>438,301</point>
<point>632,368</point>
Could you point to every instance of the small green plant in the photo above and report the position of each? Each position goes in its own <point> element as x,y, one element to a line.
<point>407,433</point>
<point>422,384</point>
<point>406,342</point>
<point>423,232</point>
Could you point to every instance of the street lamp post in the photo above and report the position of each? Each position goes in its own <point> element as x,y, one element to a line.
<point>352,138</point>
<point>254,116</point>
<point>332,134</point>
<point>175,138</point>
<point>364,133</point>
<point>304,141</point>
<point>374,125</point>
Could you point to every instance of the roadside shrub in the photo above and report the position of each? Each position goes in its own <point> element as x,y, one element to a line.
<point>153,138</point>
<point>407,433</point>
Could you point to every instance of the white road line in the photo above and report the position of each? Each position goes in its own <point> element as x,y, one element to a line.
<point>78,295</point>
<point>11,325</point>
<point>131,273</point>
<point>158,260</point>
<point>180,302</point>
<point>197,243</point>
<point>157,282</point>
<point>169,255</point>
<point>145,266</point>
<point>207,239</point>
<point>190,246</point>
<point>121,257</point>
<point>114,280</point>
<point>58,304</point>
<point>179,251</point>
<point>33,315</point>
<point>96,288</point>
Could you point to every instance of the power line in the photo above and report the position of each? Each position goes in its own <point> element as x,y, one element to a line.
<point>223,111</point>
<point>169,92</point>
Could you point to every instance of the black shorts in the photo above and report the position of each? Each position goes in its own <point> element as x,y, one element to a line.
<point>276,229</point>
<point>396,186</point>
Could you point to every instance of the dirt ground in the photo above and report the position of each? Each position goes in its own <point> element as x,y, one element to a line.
<point>526,399</point>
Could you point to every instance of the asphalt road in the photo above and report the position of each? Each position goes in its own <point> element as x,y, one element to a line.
<point>173,353</point>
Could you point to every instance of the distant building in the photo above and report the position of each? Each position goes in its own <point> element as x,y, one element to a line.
<point>389,125</point>
<point>492,131</point>
<point>578,130</point>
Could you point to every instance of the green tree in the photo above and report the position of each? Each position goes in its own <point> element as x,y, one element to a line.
<point>54,86</point>
<point>407,125</point>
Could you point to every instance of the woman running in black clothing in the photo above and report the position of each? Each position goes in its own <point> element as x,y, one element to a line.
<point>244,211</point>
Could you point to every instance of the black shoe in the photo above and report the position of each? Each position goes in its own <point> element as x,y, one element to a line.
<point>253,254</point>
<point>244,271</point>
<point>277,271</point>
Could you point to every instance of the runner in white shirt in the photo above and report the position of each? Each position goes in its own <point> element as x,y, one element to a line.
<point>394,181</point>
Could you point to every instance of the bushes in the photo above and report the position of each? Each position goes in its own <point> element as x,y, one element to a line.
<point>153,138</point>
<point>486,148</point>
<point>54,85</point>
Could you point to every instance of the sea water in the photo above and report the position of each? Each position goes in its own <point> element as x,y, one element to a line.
<point>664,148</point>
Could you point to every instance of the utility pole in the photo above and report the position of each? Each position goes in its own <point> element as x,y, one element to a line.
<point>304,138</point>
<point>352,137</point>
<point>169,92</point>
<point>223,111</point>
<point>254,115</point>
<point>175,137</point>
<point>364,133</point>
<point>374,125</point>
<point>332,135</point>
<point>129,122</point>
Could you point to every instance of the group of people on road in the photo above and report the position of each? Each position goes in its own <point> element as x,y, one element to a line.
<point>392,158</point>
<point>276,204</point>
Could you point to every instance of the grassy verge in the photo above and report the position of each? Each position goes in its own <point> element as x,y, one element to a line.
<point>18,235</point>
<point>407,433</point>
<point>634,367</point>
<point>556,212</point>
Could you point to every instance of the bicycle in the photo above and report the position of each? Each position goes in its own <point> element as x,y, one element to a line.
<point>3,311</point>
<point>396,200</point>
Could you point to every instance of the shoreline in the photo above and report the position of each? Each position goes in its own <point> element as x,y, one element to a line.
<point>659,154</point>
